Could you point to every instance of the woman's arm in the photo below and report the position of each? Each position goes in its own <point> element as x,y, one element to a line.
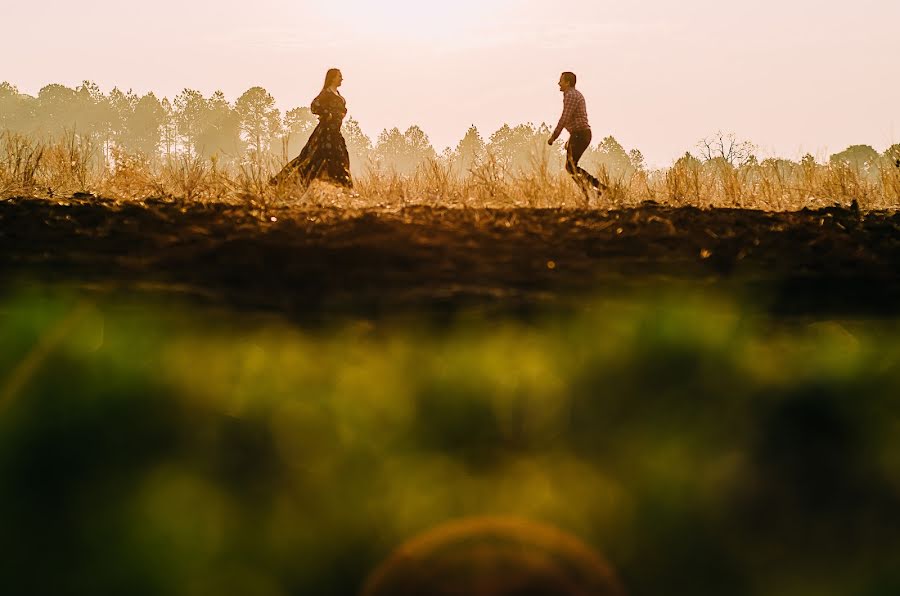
<point>317,106</point>
<point>328,106</point>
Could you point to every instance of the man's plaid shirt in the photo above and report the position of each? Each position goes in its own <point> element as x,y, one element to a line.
<point>574,117</point>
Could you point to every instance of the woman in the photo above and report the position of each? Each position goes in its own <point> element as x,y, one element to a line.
<point>325,155</point>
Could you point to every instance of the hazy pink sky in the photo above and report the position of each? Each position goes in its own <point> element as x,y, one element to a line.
<point>791,75</point>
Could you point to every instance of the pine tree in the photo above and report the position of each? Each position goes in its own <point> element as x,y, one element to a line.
<point>260,120</point>
<point>220,128</point>
<point>470,149</point>
<point>169,128</point>
<point>17,110</point>
<point>189,112</point>
<point>359,146</point>
<point>55,113</point>
<point>145,126</point>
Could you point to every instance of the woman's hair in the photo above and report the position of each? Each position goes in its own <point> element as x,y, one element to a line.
<point>330,76</point>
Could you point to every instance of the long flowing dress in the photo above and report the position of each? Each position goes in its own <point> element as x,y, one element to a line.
<point>325,155</point>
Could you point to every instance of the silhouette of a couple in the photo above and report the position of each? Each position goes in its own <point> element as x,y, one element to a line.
<point>325,155</point>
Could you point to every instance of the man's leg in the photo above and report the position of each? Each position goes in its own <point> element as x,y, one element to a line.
<point>578,144</point>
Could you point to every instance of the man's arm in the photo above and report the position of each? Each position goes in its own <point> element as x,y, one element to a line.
<point>568,109</point>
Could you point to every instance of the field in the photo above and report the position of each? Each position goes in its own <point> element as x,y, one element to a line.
<point>319,261</point>
<point>201,398</point>
<point>212,386</point>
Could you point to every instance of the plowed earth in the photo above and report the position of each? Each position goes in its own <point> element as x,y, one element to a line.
<point>314,263</point>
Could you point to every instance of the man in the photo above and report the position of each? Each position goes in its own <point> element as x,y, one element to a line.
<point>574,119</point>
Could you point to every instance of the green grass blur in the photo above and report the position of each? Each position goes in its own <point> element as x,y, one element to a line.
<point>701,446</point>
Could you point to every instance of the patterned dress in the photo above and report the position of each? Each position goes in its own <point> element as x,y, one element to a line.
<point>325,155</point>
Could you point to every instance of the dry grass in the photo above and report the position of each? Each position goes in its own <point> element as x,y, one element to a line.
<point>75,163</point>
<point>19,162</point>
<point>72,164</point>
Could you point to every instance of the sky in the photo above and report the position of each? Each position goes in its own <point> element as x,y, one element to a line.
<point>792,76</point>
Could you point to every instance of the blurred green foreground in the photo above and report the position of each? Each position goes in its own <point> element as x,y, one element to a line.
<point>701,447</point>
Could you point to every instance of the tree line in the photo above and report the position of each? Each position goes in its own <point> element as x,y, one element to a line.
<point>252,127</point>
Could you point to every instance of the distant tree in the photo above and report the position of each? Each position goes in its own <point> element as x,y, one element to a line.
<point>856,156</point>
<point>390,149</point>
<point>16,109</point>
<point>55,109</point>
<point>726,148</point>
<point>390,141</point>
<point>418,143</point>
<point>611,147</point>
<point>220,128</point>
<point>8,91</point>
<point>470,149</point>
<point>519,147</point>
<point>610,154</point>
<point>637,159</point>
<point>121,106</point>
<point>687,161</point>
<point>91,113</point>
<point>358,145</point>
<point>190,108</point>
<point>260,120</point>
<point>143,128</point>
<point>169,127</point>
<point>403,152</point>
<point>206,127</point>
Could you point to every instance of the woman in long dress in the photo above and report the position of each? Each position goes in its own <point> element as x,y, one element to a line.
<point>325,155</point>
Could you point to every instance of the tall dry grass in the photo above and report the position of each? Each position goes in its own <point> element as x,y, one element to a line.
<point>19,163</point>
<point>74,163</point>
